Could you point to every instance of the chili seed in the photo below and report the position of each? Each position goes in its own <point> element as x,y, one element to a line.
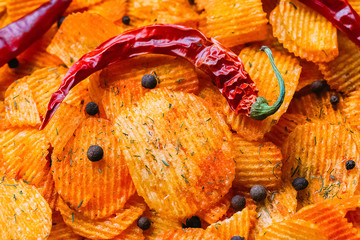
<point>350,164</point>
<point>334,99</point>
<point>92,108</point>
<point>258,193</point>
<point>238,203</point>
<point>317,86</point>
<point>60,21</point>
<point>149,81</point>
<point>300,183</point>
<point>193,222</point>
<point>126,20</point>
<point>237,237</point>
<point>143,223</point>
<point>95,153</point>
<point>13,63</point>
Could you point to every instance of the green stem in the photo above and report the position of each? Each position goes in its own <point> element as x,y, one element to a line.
<point>261,109</point>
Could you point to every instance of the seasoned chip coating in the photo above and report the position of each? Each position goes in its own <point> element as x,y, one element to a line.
<point>24,154</point>
<point>236,26</point>
<point>112,10</point>
<point>145,12</point>
<point>257,163</point>
<point>217,211</point>
<point>131,233</point>
<point>316,42</point>
<point>258,66</point>
<point>294,229</point>
<point>180,158</point>
<point>103,228</point>
<point>78,32</point>
<point>310,73</point>
<point>351,109</point>
<point>60,230</point>
<point>239,224</point>
<point>355,5</point>
<point>109,179</point>
<point>21,108</point>
<point>187,234</point>
<point>46,187</point>
<point>318,152</point>
<point>23,212</point>
<point>343,73</point>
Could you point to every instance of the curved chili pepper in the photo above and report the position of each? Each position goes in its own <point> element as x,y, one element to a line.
<point>340,14</point>
<point>19,35</point>
<point>223,66</point>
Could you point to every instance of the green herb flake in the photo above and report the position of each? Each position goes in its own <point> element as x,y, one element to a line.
<point>165,163</point>
<point>80,204</point>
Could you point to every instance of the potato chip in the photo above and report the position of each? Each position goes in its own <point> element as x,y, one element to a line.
<point>78,95</point>
<point>77,5</point>
<point>310,73</point>
<point>217,211</point>
<point>21,108</point>
<point>78,32</point>
<point>159,225</point>
<point>109,178</point>
<point>318,107</point>
<point>19,8</point>
<point>318,152</point>
<point>180,158</point>
<point>287,123</point>
<point>43,83</point>
<point>239,224</point>
<point>58,131</point>
<point>293,229</point>
<point>113,10</point>
<point>145,12</point>
<point>258,66</point>
<point>343,73</point>
<point>354,218</point>
<point>24,152</point>
<point>23,212</point>
<point>257,163</point>
<point>106,228</point>
<point>329,218</point>
<point>355,5</point>
<point>316,42</point>
<point>236,26</point>
<point>46,187</point>
<point>187,234</point>
<point>60,230</point>
<point>4,122</point>
<point>351,109</point>
<point>131,233</point>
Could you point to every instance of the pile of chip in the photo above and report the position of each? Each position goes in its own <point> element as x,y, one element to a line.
<point>148,148</point>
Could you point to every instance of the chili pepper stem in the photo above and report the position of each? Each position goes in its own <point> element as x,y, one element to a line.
<point>261,109</point>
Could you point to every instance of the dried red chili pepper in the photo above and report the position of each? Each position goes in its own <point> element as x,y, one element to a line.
<point>223,66</point>
<point>19,35</point>
<point>340,14</point>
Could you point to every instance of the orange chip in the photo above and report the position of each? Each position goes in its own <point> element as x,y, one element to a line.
<point>58,131</point>
<point>330,219</point>
<point>179,157</point>
<point>46,188</point>
<point>318,152</point>
<point>294,229</point>
<point>78,95</point>
<point>310,73</point>
<point>145,12</point>
<point>237,26</point>
<point>103,228</point>
<point>188,233</point>
<point>318,107</point>
<point>257,163</point>
<point>355,5</point>
<point>60,230</point>
<point>4,122</point>
<point>112,10</point>
<point>78,32</point>
<point>77,5</point>
<point>343,73</point>
<point>24,152</point>
<point>354,218</point>
<point>43,83</point>
<point>217,211</point>
<point>109,178</point>
<point>21,108</point>
<point>287,123</point>
<point>23,212</point>
<point>239,224</point>
<point>131,233</point>
<point>258,66</point>
<point>316,42</point>
<point>351,108</point>
<point>19,8</point>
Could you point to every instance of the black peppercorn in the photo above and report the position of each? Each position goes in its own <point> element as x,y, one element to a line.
<point>144,223</point>
<point>193,222</point>
<point>92,108</point>
<point>334,99</point>
<point>300,183</point>
<point>60,21</point>
<point>350,164</point>
<point>237,237</point>
<point>126,20</point>
<point>258,193</point>
<point>149,81</point>
<point>95,153</point>
<point>238,203</point>
<point>13,63</point>
<point>317,86</point>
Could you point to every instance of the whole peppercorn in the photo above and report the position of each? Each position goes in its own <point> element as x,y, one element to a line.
<point>126,20</point>
<point>60,21</point>
<point>237,237</point>
<point>92,108</point>
<point>143,223</point>
<point>258,193</point>
<point>193,222</point>
<point>13,63</point>
<point>350,164</point>
<point>317,86</point>
<point>149,81</point>
<point>300,183</point>
<point>334,99</point>
<point>95,153</point>
<point>238,203</point>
